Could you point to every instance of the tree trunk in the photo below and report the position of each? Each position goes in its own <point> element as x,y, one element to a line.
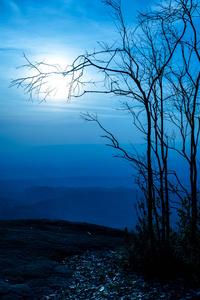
<point>150,188</point>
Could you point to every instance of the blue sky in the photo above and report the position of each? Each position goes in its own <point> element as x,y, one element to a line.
<point>57,31</point>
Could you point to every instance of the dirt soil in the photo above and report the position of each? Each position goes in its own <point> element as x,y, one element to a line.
<point>32,251</point>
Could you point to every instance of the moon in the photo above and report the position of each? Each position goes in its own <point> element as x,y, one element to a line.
<point>56,85</point>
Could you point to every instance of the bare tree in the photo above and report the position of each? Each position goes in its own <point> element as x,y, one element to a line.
<point>185,79</point>
<point>141,68</point>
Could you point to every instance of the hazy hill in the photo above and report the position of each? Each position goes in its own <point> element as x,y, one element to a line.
<point>112,207</point>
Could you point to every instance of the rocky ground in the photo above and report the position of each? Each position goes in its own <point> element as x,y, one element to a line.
<point>32,251</point>
<point>58,260</point>
<point>99,275</point>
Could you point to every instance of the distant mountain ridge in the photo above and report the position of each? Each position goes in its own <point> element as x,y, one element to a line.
<point>113,207</point>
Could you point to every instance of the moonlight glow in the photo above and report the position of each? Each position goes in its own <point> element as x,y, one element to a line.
<point>56,84</point>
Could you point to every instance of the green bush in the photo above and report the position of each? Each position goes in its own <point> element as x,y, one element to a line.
<point>180,258</point>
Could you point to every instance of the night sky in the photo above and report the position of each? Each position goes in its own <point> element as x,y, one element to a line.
<point>50,139</point>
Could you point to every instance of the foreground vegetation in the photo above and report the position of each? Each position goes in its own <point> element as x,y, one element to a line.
<point>180,259</point>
